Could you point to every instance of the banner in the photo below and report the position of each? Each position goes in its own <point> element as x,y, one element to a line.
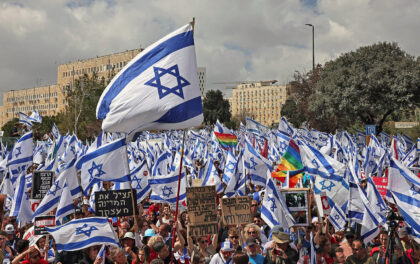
<point>236,210</point>
<point>381,184</point>
<point>41,183</point>
<point>114,203</point>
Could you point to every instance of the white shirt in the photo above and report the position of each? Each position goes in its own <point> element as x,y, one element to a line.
<point>218,259</point>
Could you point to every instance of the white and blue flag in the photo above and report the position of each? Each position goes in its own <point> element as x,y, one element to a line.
<point>82,233</point>
<point>158,89</point>
<point>107,163</point>
<point>256,165</point>
<point>66,204</point>
<point>25,119</point>
<point>36,117</point>
<point>21,206</point>
<point>164,188</point>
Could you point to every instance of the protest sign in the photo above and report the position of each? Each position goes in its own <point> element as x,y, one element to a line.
<point>41,222</point>
<point>41,183</point>
<point>381,184</point>
<point>202,210</point>
<point>236,210</point>
<point>297,200</point>
<point>114,203</point>
<point>30,236</point>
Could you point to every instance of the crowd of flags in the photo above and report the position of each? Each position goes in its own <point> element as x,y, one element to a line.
<point>138,100</point>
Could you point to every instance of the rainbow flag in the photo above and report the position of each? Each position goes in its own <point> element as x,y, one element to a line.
<point>226,140</point>
<point>292,162</point>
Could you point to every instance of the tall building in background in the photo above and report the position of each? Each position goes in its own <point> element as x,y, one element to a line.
<point>201,71</point>
<point>261,101</point>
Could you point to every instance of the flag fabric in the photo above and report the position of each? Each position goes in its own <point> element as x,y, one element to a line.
<point>291,162</point>
<point>404,187</point>
<point>35,116</point>
<point>100,258</point>
<point>164,188</point>
<point>226,140</point>
<point>107,163</point>
<point>337,218</point>
<point>158,89</point>
<point>21,206</point>
<point>211,177</point>
<point>230,167</point>
<point>26,120</point>
<point>65,205</point>
<point>21,155</point>
<point>82,233</point>
<point>256,165</point>
<point>411,157</point>
<point>139,180</point>
<point>274,210</point>
<point>255,127</point>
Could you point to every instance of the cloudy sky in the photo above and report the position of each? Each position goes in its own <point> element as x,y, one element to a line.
<point>235,39</point>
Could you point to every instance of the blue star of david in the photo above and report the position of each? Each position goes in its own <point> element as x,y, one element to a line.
<point>87,232</point>
<point>230,167</point>
<point>254,164</point>
<point>273,205</point>
<point>54,188</point>
<point>137,180</point>
<point>371,163</point>
<point>18,151</point>
<point>381,206</point>
<point>73,149</point>
<point>167,191</point>
<point>163,90</point>
<point>336,217</point>
<point>315,163</point>
<point>413,189</point>
<point>99,170</point>
<point>324,187</point>
<point>283,146</point>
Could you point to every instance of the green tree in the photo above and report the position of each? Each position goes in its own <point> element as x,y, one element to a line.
<point>46,126</point>
<point>80,113</point>
<point>368,84</point>
<point>290,111</point>
<point>8,126</point>
<point>216,107</point>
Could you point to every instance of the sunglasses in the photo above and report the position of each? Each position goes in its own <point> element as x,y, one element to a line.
<point>252,232</point>
<point>254,205</point>
<point>257,221</point>
<point>236,237</point>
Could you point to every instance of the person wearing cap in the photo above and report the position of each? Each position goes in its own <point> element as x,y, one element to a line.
<point>128,243</point>
<point>11,238</point>
<point>281,252</point>
<point>252,250</point>
<point>225,254</point>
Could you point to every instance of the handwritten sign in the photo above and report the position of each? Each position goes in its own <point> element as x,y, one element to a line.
<point>237,210</point>
<point>41,183</point>
<point>41,222</point>
<point>202,210</point>
<point>114,203</point>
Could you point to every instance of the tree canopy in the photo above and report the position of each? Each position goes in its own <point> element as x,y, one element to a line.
<point>216,107</point>
<point>367,84</point>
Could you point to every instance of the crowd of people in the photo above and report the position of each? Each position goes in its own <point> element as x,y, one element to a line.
<point>149,239</point>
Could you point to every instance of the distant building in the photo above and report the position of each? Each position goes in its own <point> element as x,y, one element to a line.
<point>261,101</point>
<point>202,80</point>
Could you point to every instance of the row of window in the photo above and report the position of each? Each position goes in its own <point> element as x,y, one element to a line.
<point>260,92</point>
<point>30,108</point>
<point>31,97</point>
<point>100,68</point>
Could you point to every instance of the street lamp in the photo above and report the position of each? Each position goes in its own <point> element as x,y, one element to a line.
<point>313,46</point>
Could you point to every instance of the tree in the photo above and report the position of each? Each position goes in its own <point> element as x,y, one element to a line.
<point>367,84</point>
<point>216,107</point>
<point>8,126</point>
<point>80,113</point>
<point>290,111</point>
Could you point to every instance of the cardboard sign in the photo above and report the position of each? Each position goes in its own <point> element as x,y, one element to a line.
<point>236,210</point>
<point>41,183</point>
<point>381,184</point>
<point>325,204</point>
<point>114,203</point>
<point>41,222</point>
<point>202,210</point>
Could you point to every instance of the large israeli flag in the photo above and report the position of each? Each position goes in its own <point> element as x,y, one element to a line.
<point>158,89</point>
<point>82,233</point>
<point>164,188</point>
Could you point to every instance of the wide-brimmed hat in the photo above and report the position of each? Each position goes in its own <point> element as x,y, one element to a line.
<point>281,237</point>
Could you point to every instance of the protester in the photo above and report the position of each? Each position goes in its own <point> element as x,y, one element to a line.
<point>252,248</point>
<point>360,254</point>
<point>225,254</point>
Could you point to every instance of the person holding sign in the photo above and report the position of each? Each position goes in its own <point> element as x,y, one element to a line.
<point>203,247</point>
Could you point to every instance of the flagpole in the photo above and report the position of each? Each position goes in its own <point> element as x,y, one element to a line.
<point>133,204</point>
<point>177,195</point>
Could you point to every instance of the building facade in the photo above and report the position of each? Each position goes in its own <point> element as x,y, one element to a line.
<point>262,101</point>
<point>201,71</point>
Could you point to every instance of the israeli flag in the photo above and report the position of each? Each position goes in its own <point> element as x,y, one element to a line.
<point>82,233</point>
<point>274,210</point>
<point>405,188</point>
<point>26,120</point>
<point>66,204</point>
<point>158,89</point>
<point>140,180</point>
<point>211,177</point>
<point>164,188</point>
<point>36,117</point>
<point>256,165</point>
<point>230,168</point>
<point>21,206</point>
<point>255,127</point>
<point>100,258</point>
<point>411,157</point>
<point>107,163</point>
<point>337,218</point>
<point>21,154</point>
<point>161,166</point>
